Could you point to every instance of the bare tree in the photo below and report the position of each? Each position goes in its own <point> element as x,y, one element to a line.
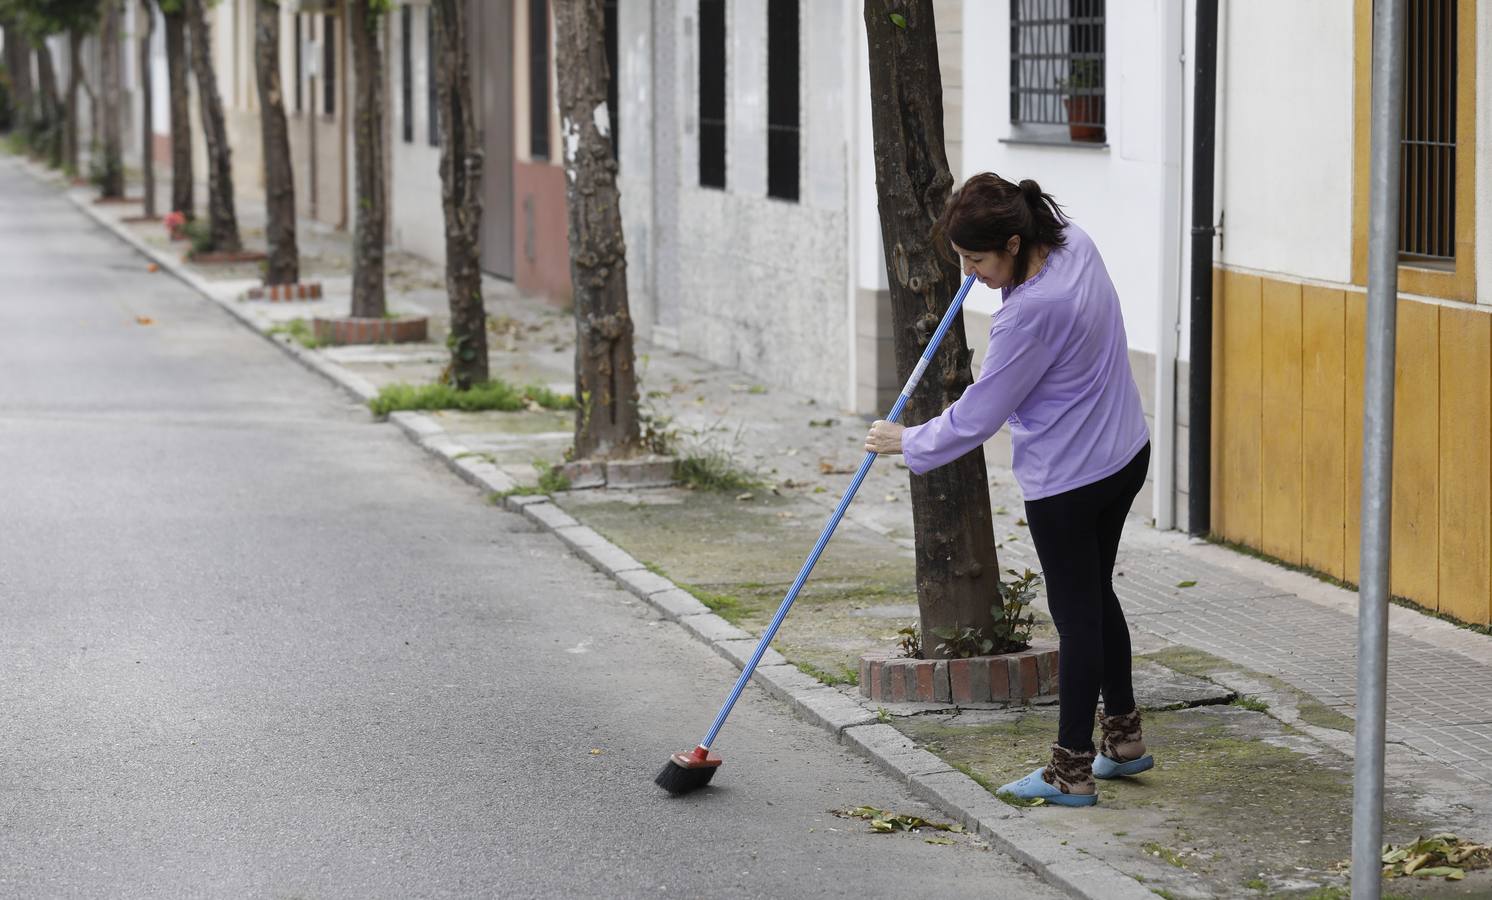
<point>147,107</point>
<point>365,20</point>
<point>279,178</point>
<point>958,574</point>
<point>461,193</point>
<point>70,153</point>
<point>606,423</point>
<point>180,93</point>
<point>111,70</point>
<point>221,217</point>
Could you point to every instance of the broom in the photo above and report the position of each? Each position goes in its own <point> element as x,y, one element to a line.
<point>692,769</point>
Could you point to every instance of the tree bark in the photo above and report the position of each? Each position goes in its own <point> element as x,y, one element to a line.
<point>18,65</point>
<point>221,217</point>
<point>147,108</point>
<point>371,223</point>
<point>112,184</point>
<point>279,177</point>
<point>70,152</point>
<point>957,570</point>
<point>606,422</point>
<point>461,161</point>
<point>180,91</point>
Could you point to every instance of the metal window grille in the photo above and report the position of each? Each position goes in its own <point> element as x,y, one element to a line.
<point>538,79</point>
<point>432,87</point>
<point>783,121</point>
<point>1427,179</point>
<point>1057,66</point>
<point>406,59</point>
<point>712,93</point>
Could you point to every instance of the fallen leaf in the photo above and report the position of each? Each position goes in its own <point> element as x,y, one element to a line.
<point>745,497</point>
<point>596,751</point>
<point>829,468</point>
<point>144,320</point>
<point>153,267</point>
<point>1186,584</point>
<point>937,840</point>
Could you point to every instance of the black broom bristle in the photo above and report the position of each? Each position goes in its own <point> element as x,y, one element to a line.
<point>677,779</point>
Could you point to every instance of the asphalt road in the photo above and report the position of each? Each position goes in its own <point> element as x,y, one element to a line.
<point>254,644</point>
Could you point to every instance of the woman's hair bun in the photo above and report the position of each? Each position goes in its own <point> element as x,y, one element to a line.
<point>1030,189</point>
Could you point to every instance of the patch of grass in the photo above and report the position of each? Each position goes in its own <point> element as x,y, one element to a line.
<point>979,779</point>
<point>1162,892</point>
<point>297,330</point>
<point>1256,884</point>
<point>723,605</point>
<point>492,395</point>
<point>551,479</point>
<point>714,471</point>
<point>1165,853</point>
<point>829,678</point>
<point>1314,712</point>
<point>1329,892</point>
<point>1252,703</point>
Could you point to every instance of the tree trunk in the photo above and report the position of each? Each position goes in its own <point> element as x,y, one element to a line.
<point>147,107</point>
<point>180,91</point>
<point>18,66</point>
<point>74,82</point>
<point>112,184</point>
<point>606,423</point>
<point>370,226</point>
<point>461,161</point>
<point>279,177</point>
<point>957,570</point>
<point>222,220</point>
<point>50,131</point>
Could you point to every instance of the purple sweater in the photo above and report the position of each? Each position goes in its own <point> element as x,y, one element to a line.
<point>1058,370</point>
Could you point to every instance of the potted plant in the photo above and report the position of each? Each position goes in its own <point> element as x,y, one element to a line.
<point>1084,107</point>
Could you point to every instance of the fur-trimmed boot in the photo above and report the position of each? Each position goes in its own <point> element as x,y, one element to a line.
<point>1122,750</point>
<point>1065,781</point>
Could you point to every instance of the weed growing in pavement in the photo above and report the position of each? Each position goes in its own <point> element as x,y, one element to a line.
<point>709,464</point>
<point>551,479</point>
<point>827,677</point>
<point>297,330</point>
<point>490,395</point>
<point>1252,703</point>
<point>1011,632</point>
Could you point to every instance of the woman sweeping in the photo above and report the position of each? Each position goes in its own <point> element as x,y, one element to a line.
<point>1058,372</point>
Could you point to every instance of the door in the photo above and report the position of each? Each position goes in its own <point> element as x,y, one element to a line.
<point>492,70</point>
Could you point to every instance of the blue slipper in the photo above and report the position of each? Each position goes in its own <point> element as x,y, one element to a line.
<point>1034,787</point>
<point>1103,767</point>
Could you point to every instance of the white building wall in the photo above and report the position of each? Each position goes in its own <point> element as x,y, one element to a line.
<point>1286,185</point>
<point>417,223</point>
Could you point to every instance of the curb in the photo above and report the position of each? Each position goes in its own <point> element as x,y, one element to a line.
<point>851,723</point>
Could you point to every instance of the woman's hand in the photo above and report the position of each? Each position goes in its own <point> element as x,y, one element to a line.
<point>884,437</point>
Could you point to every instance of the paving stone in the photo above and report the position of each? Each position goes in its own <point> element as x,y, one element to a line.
<point>1026,840</point>
<point>786,682</point>
<point>644,583</point>
<point>893,751</point>
<point>831,710</point>
<point>549,516</point>
<point>1085,876</point>
<point>597,550</point>
<point>640,473</point>
<point>417,425</point>
<point>739,651</point>
<point>960,796</point>
<point>710,627</point>
<point>677,603</point>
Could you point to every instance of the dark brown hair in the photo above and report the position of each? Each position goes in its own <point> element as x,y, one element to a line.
<point>988,210</point>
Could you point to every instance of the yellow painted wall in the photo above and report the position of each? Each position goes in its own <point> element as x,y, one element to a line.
<point>1287,437</point>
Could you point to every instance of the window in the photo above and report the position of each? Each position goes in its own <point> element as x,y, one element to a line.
<point>432,89</point>
<point>782,99</point>
<point>1427,177</point>
<point>1057,69</point>
<point>328,66</point>
<point>612,61</point>
<point>406,85</point>
<point>712,93</point>
<point>538,79</point>
<point>300,93</point>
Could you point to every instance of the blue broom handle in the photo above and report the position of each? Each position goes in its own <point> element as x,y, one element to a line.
<point>844,504</point>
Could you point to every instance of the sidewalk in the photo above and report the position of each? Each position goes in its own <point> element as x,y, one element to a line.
<point>1247,674</point>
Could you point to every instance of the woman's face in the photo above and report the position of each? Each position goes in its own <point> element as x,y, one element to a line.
<point>994,268</point>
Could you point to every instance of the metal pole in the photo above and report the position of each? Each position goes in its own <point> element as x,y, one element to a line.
<point>1378,448</point>
<point>1204,127</point>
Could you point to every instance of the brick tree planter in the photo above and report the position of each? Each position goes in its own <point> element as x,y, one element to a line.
<point>226,256</point>
<point>278,293</point>
<point>980,679</point>
<point>644,471</point>
<point>348,330</point>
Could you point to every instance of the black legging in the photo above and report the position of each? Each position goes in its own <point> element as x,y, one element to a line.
<point>1077,539</point>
